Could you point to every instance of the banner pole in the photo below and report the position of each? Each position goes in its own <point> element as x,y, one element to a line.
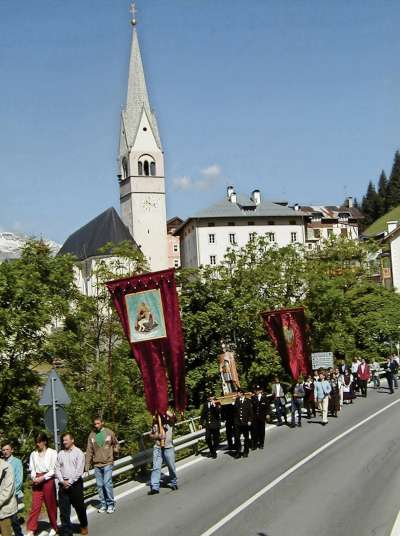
<point>162,441</point>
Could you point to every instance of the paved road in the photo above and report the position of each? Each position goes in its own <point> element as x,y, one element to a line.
<point>350,487</point>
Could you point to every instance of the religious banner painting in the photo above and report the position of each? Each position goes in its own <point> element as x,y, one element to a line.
<point>145,315</point>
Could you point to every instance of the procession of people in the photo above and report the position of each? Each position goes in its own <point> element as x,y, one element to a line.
<point>57,478</point>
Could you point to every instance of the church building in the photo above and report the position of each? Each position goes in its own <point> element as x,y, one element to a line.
<point>141,167</point>
<point>141,178</point>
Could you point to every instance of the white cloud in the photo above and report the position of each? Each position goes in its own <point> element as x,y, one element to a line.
<point>210,176</point>
<point>211,171</point>
<point>182,183</point>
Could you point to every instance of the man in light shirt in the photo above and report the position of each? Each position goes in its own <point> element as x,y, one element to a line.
<point>69,470</point>
<point>322,389</point>
<point>279,398</point>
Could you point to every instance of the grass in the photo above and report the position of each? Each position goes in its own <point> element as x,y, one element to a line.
<point>380,224</point>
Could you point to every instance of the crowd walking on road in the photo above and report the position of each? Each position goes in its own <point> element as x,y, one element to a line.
<point>57,477</point>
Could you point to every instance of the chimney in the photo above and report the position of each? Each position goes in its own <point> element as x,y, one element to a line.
<point>229,191</point>
<point>391,226</point>
<point>349,202</point>
<point>256,196</point>
<point>233,198</point>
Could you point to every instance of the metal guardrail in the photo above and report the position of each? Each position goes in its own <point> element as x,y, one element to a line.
<point>186,441</point>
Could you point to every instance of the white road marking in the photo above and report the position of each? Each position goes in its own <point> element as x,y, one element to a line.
<point>396,526</point>
<point>268,487</point>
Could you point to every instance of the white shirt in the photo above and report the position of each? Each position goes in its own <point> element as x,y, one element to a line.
<point>279,391</point>
<point>354,366</point>
<point>43,463</point>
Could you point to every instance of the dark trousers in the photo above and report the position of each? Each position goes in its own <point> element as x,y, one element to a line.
<point>72,496</point>
<point>212,439</point>
<point>363,386</point>
<point>389,377</point>
<point>310,408</point>
<point>16,525</point>
<point>258,432</point>
<point>242,430</point>
<point>280,408</point>
<point>230,433</point>
<point>297,405</point>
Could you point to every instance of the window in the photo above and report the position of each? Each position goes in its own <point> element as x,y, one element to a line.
<point>343,232</point>
<point>211,238</point>
<point>213,259</point>
<point>317,233</point>
<point>252,236</point>
<point>176,248</point>
<point>293,237</point>
<point>125,168</point>
<point>176,263</point>
<point>231,223</point>
<point>232,239</point>
<point>330,232</point>
<point>271,237</point>
<point>146,165</point>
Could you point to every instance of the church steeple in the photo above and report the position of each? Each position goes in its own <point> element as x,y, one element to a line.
<point>141,165</point>
<point>137,99</point>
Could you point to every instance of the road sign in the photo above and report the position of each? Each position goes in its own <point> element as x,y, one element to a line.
<point>322,360</point>
<point>60,394</point>
<point>61,419</point>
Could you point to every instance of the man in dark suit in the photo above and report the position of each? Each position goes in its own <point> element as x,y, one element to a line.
<point>260,410</point>
<point>210,419</point>
<point>228,415</point>
<point>243,422</point>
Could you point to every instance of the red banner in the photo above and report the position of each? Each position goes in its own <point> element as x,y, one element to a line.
<point>288,331</point>
<point>148,308</point>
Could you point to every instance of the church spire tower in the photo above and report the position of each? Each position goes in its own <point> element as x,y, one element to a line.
<point>141,165</point>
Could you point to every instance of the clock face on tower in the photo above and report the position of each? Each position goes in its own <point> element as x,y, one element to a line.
<point>148,204</point>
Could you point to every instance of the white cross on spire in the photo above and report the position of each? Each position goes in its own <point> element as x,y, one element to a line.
<point>133,12</point>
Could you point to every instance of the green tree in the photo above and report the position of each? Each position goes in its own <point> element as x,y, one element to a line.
<point>36,292</point>
<point>393,190</point>
<point>97,366</point>
<point>383,192</point>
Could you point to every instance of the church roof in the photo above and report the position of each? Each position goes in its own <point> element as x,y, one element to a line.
<point>105,228</point>
<point>137,99</point>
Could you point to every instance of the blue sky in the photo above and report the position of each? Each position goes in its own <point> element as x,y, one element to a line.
<point>298,98</point>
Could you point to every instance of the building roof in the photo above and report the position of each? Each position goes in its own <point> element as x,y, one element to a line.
<point>105,228</point>
<point>332,212</point>
<point>173,223</point>
<point>245,207</point>
<point>137,100</point>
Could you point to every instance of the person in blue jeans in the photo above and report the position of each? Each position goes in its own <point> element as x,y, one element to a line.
<point>163,452</point>
<point>102,447</point>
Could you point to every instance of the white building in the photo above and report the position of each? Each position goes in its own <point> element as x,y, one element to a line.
<point>392,238</point>
<point>141,167</point>
<point>232,222</point>
<point>324,221</point>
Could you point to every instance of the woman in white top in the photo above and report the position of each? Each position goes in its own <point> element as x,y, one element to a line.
<point>42,463</point>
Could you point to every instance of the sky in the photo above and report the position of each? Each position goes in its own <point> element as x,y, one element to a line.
<point>299,98</point>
